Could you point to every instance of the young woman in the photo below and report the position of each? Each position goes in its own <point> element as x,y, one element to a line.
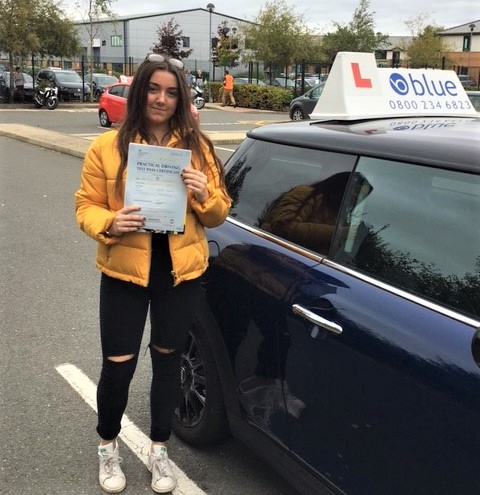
<point>144,271</point>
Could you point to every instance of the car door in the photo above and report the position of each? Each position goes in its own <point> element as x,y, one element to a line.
<point>117,103</point>
<point>383,347</point>
<point>251,273</point>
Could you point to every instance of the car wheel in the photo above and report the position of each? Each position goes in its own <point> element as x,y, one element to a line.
<point>98,93</point>
<point>297,114</point>
<point>200,417</point>
<point>103,117</point>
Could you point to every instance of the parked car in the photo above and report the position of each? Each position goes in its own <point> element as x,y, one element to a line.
<point>244,80</point>
<point>339,335</point>
<point>99,81</point>
<point>112,104</point>
<point>475,99</point>
<point>69,83</point>
<point>5,87</point>
<point>302,106</point>
<point>467,81</point>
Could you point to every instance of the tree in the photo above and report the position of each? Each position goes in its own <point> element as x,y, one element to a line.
<point>91,12</point>
<point>357,36</point>
<point>29,27</point>
<point>227,50</point>
<point>279,35</point>
<point>426,48</point>
<point>170,40</point>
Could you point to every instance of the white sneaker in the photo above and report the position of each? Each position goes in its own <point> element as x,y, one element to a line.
<point>110,474</point>
<point>163,479</point>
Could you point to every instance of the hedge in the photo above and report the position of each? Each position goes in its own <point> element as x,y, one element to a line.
<point>255,96</point>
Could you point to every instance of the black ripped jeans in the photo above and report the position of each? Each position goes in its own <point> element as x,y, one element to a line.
<point>123,312</point>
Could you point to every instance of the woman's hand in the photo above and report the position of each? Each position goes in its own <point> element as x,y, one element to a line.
<point>126,221</point>
<point>196,181</point>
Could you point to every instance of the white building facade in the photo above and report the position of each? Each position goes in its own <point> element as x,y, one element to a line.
<point>121,44</point>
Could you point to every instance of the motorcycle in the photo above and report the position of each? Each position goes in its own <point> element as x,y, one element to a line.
<point>47,97</point>
<point>197,96</point>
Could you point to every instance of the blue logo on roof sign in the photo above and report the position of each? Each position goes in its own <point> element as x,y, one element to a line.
<point>421,86</point>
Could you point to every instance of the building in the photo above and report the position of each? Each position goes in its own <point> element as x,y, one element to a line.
<point>464,43</point>
<point>120,45</point>
<point>463,55</point>
<point>394,55</point>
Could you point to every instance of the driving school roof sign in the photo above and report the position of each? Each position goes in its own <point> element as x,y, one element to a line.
<point>357,89</point>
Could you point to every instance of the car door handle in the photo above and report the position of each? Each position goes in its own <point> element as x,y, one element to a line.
<point>317,320</point>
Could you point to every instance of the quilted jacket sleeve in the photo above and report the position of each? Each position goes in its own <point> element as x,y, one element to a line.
<point>95,199</point>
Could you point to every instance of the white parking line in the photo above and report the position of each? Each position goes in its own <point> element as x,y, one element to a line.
<point>132,436</point>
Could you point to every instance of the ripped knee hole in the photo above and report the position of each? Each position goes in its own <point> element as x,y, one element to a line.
<point>121,359</point>
<point>162,350</point>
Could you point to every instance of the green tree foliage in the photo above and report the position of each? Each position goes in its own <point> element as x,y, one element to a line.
<point>29,27</point>
<point>170,40</point>
<point>36,26</point>
<point>92,12</point>
<point>227,50</point>
<point>357,36</point>
<point>279,35</point>
<point>426,48</point>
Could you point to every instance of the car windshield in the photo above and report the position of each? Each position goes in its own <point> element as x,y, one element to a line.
<point>104,80</point>
<point>68,77</point>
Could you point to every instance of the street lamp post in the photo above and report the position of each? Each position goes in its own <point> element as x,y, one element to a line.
<point>210,8</point>
<point>472,27</point>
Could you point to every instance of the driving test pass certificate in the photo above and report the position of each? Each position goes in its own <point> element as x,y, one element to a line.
<point>155,184</point>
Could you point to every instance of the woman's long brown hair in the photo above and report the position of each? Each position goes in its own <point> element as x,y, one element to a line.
<point>182,124</point>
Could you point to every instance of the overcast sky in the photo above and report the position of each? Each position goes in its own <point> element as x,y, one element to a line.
<point>389,16</point>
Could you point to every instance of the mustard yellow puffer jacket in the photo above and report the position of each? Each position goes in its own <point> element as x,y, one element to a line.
<point>127,257</point>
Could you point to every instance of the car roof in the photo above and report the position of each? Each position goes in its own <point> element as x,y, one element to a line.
<point>412,115</point>
<point>423,140</point>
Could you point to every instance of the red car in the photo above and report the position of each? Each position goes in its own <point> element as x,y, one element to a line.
<point>113,103</point>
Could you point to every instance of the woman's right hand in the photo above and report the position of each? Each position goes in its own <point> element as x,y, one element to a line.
<point>126,220</point>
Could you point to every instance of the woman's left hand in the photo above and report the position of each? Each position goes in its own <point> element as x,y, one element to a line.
<point>196,181</point>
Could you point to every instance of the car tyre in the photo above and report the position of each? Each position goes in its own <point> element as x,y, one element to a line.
<point>297,114</point>
<point>103,117</point>
<point>98,93</point>
<point>200,417</point>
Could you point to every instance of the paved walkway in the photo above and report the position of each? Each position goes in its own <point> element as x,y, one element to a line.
<point>77,146</point>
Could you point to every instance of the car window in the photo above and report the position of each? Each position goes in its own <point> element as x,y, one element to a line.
<point>68,77</point>
<point>475,99</point>
<point>116,90</point>
<point>104,80</point>
<point>317,91</point>
<point>293,193</point>
<point>414,227</point>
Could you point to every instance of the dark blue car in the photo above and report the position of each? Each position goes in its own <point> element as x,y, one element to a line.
<point>338,337</point>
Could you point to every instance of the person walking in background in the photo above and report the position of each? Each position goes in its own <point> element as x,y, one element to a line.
<point>189,77</point>
<point>19,82</point>
<point>147,272</point>
<point>200,80</point>
<point>228,89</point>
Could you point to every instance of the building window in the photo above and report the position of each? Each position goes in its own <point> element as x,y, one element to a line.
<point>116,40</point>
<point>466,43</point>
<point>186,41</point>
